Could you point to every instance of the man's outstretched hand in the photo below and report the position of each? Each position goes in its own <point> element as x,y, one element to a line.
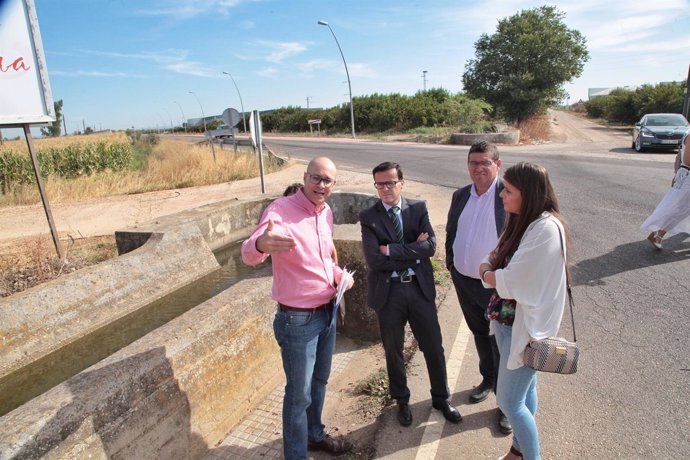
<point>271,242</point>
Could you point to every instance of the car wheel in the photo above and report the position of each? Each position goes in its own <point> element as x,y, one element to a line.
<point>638,145</point>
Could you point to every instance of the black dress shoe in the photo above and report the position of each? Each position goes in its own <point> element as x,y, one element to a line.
<point>481,392</point>
<point>504,425</point>
<point>449,412</point>
<point>404,414</point>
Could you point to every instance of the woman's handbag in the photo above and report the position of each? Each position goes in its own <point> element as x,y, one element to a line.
<point>554,354</point>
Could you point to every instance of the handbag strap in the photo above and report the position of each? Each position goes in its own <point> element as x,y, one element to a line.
<point>567,283</point>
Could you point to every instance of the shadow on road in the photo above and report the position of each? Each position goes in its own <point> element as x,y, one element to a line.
<point>630,256</point>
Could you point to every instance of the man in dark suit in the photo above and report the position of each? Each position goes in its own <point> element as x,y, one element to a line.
<point>475,221</point>
<point>398,241</point>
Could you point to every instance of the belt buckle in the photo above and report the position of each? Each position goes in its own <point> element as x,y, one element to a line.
<point>406,278</point>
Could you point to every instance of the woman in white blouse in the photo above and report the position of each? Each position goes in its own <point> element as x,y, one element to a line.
<point>528,270</point>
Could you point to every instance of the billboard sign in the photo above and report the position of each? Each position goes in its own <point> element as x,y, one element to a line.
<point>24,87</point>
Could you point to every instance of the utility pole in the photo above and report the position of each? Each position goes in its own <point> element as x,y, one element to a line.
<point>424,72</point>
<point>308,97</point>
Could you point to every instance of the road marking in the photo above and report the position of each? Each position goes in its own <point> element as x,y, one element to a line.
<point>433,428</point>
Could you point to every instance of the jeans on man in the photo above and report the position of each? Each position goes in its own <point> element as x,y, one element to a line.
<point>307,341</point>
<point>517,397</point>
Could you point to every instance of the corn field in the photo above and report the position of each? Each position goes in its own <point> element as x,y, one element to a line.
<point>66,158</point>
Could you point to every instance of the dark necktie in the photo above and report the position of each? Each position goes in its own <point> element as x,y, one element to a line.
<point>393,214</point>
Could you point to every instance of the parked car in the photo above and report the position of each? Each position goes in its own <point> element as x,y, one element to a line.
<point>659,131</point>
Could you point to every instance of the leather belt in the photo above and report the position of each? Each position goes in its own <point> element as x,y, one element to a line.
<point>685,167</point>
<point>309,310</point>
<point>403,279</point>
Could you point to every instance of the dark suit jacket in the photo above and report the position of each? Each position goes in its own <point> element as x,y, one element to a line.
<point>460,198</point>
<point>377,229</point>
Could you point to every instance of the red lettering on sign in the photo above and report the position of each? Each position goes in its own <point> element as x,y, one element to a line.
<point>17,65</point>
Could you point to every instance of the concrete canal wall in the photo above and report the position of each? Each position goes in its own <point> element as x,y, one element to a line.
<point>180,389</point>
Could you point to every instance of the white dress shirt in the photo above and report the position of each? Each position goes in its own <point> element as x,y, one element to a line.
<point>476,235</point>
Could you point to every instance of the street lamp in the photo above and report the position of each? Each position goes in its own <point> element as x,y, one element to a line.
<point>203,117</point>
<point>244,123</point>
<point>349,86</point>
<point>184,119</point>
<point>210,140</point>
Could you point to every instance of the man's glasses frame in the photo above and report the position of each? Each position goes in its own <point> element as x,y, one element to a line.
<point>316,179</point>
<point>484,163</point>
<point>388,184</point>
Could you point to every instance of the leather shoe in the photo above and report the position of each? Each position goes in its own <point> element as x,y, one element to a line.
<point>504,425</point>
<point>481,392</point>
<point>449,412</point>
<point>404,414</point>
<point>335,446</point>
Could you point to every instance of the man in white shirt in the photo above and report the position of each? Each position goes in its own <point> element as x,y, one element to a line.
<point>475,221</point>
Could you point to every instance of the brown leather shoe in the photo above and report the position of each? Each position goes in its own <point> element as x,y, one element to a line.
<point>335,446</point>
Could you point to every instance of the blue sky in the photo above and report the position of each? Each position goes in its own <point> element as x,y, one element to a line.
<point>124,63</point>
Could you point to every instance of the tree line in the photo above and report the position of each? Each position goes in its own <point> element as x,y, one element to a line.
<point>626,106</point>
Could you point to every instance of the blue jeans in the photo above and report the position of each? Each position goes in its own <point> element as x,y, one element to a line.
<point>516,394</point>
<point>307,341</point>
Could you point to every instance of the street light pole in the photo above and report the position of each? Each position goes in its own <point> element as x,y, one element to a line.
<point>424,78</point>
<point>184,119</point>
<point>210,140</point>
<point>349,86</point>
<point>203,117</point>
<point>244,123</point>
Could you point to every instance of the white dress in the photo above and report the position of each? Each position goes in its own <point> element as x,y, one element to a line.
<point>673,211</point>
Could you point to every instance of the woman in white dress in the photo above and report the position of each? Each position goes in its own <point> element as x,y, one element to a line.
<point>672,214</point>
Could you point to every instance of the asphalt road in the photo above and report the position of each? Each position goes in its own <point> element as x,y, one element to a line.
<point>631,397</point>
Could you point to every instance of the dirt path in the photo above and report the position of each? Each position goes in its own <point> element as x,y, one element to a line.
<point>104,216</point>
<point>567,128</point>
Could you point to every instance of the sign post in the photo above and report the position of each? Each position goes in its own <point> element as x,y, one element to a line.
<point>25,98</point>
<point>257,140</point>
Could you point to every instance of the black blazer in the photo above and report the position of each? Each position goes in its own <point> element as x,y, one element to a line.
<point>460,198</point>
<point>377,229</point>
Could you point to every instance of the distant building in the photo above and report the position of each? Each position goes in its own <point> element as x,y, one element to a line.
<point>200,121</point>
<point>596,92</point>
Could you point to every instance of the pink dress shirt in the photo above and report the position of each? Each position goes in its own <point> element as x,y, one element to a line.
<point>305,276</point>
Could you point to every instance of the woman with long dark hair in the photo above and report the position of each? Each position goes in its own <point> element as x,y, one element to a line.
<point>528,270</point>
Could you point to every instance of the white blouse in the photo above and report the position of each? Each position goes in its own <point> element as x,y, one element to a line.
<point>535,277</point>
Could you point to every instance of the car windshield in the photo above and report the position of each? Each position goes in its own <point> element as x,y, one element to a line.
<point>667,120</point>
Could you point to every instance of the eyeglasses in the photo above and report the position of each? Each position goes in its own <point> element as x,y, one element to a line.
<point>388,184</point>
<point>316,179</point>
<point>485,163</point>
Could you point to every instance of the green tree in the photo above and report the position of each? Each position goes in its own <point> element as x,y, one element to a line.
<point>55,128</point>
<point>521,69</point>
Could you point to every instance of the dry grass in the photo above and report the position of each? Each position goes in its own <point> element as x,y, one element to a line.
<point>19,145</point>
<point>171,165</point>
<point>536,128</point>
<point>32,260</point>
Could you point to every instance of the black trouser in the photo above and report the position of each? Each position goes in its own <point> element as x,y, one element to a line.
<point>406,303</point>
<point>474,298</point>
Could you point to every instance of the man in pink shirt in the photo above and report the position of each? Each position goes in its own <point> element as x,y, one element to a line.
<point>297,232</point>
